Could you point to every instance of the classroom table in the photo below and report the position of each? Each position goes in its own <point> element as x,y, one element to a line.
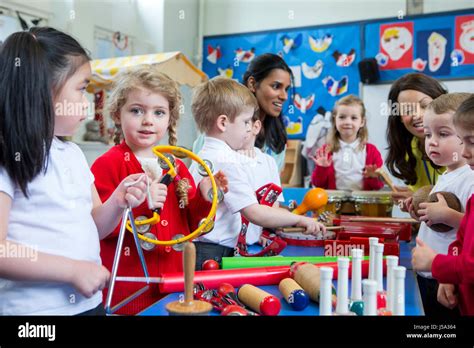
<point>413,304</point>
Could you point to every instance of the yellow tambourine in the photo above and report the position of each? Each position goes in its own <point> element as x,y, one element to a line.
<point>206,223</point>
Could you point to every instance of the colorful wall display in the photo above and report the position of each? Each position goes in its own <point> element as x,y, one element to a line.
<point>441,46</point>
<point>323,61</point>
<point>324,58</point>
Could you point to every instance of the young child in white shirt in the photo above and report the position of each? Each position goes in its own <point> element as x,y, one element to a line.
<point>223,110</point>
<point>444,148</point>
<point>263,170</point>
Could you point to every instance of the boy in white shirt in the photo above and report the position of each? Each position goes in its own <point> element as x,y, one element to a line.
<point>263,170</point>
<point>444,148</point>
<point>223,110</point>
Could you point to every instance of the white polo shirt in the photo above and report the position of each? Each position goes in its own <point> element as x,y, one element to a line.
<point>240,195</point>
<point>263,169</point>
<point>461,183</point>
<point>55,219</point>
<point>349,162</point>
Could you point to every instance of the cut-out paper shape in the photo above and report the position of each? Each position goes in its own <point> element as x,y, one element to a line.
<point>303,104</point>
<point>436,51</point>
<point>457,57</point>
<point>320,44</point>
<point>466,39</point>
<point>291,43</point>
<point>382,59</point>
<point>343,59</point>
<point>296,70</point>
<point>419,64</point>
<point>245,56</point>
<point>213,54</point>
<point>396,41</point>
<point>312,72</point>
<point>335,87</point>
<point>228,72</point>
<point>294,128</point>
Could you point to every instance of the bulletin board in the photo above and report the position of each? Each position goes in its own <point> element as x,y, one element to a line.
<point>323,60</point>
<point>441,46</point>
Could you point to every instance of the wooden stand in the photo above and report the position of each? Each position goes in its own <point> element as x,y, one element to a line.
<point>189,306</point>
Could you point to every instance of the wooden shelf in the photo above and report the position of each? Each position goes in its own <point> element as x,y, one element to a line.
<point>291,173</point>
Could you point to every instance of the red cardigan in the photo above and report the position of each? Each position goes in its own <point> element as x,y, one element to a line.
<point>325,177</point>
<point>109,170</point>
<point>458,266</point>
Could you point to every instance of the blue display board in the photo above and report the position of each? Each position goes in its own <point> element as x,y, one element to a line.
<point>323,60</point>
<point>441,46</point>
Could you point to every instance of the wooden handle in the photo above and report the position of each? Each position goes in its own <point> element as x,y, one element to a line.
<point>302,229</point>
<point>189,260</point>
<point>387,179</point>
<point>383,219</point>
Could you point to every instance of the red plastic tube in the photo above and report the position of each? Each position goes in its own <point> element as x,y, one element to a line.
<point>174,282</point>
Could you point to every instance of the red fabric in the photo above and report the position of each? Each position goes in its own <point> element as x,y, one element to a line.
<point>458,266</point>
<point>325,177</point>
<point>109,170</point>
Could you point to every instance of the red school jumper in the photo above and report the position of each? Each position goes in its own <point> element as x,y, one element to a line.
<point>325,177</point>
<point>109,170</point>
<point>458,266</point>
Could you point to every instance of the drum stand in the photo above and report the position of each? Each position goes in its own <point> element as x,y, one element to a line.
<point>127,214</point>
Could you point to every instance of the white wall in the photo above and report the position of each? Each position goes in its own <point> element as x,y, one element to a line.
<point>237,16</point>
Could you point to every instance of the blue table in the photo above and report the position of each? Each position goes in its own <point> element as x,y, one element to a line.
<point>413,304</point>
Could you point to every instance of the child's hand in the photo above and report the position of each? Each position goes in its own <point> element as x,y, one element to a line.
<point>222,184</point>
<point>89,277</point>
<point>131,191</point>
<point>433,213</point>
<point>158,194</point>
<point>422,256</point>
<point>311,225</point>
<point>322,157</point>
<point>447,295</point>
<point>370,171</point>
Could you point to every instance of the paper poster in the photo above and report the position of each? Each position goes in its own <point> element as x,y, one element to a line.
<point>464,39</point>
<point>396,45</point>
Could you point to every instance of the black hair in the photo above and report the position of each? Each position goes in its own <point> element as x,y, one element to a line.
<point>34,65</point>
<point>273,132</point>
<point>398,137</point>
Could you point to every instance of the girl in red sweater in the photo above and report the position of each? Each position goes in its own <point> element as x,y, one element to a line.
<point>348,161</point>
<point>145,106</point>
<point>455,271</point>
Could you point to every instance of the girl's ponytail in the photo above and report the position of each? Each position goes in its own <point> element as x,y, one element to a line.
<point>26,108</point>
